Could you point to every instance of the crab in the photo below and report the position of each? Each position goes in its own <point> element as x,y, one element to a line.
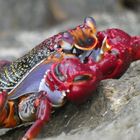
<point>65,67</point>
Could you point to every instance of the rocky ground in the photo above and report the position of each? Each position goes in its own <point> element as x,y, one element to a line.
<point>113,111</point>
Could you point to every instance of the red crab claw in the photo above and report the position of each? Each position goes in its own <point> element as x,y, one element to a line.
<point>115,53</point>
<point>75,79</point>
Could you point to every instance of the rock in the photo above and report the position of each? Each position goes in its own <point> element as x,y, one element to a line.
<point>27,15</point>
<point>131,4</point>
<point>34,14</point>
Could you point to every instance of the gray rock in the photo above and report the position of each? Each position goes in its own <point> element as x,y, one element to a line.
<point>21,14</point>
<point>34,14</point>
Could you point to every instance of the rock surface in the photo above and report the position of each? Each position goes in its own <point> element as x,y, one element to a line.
<point>42,14</point>
<point>113,111</point>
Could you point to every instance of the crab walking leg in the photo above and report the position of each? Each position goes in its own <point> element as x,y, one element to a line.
<point>42,116</point>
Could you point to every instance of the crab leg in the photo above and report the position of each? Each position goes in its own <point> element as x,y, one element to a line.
<point>42,116</point>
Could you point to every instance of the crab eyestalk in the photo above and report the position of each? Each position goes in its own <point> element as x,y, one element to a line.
<point>80,40</point>
<point>85,39</point>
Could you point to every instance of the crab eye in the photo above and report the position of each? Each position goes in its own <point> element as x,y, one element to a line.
<point>89,41</point>
<point>82,78</point>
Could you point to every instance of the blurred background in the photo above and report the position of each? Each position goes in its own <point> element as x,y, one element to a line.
<point>24,24</point>
<point>43,14</point>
